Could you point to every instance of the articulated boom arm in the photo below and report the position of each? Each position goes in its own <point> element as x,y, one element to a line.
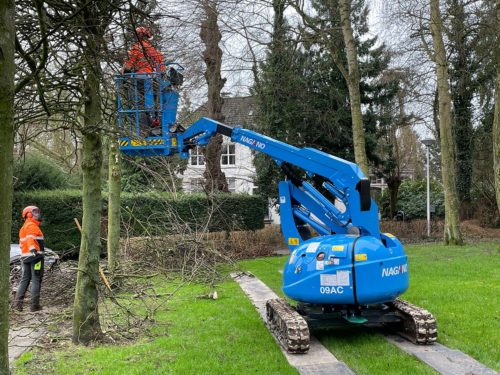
<point>300,201</point>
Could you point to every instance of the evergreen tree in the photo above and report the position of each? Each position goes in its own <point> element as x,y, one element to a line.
<point>304,100</point>
<point>279,90</point>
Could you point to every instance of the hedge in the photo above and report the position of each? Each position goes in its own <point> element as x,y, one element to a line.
<point>142,214</point>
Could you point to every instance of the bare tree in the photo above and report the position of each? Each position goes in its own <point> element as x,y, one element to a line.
<point>452,233</point>
<point>496,121</point>
<point>353,78</point>
<point>86,326</point>
<point>114,190</point>
<point>7,68</point>
<point>215,179</point>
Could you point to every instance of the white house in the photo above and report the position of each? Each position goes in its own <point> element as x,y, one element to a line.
<point>236,159</point>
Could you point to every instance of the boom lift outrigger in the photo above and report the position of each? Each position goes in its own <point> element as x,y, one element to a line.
<point>349,272</point>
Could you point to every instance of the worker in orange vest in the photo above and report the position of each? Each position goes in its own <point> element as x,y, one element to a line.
<point>143,57</point>
<point>143,60</point>
<point>32,258</point>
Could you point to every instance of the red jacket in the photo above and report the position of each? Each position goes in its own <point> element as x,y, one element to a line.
<point>30,238</point>
<point>144,58</point>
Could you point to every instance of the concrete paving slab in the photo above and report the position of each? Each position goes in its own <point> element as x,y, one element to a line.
<point>22,339</point>
<point>318,360</point>
<point>444,360</point>
<point>324,369</point>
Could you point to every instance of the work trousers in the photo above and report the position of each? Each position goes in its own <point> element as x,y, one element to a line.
<point>32,271</point>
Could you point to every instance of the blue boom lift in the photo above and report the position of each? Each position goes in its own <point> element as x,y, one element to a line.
<point>347,272</point>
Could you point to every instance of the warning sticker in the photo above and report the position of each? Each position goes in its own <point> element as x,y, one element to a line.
<point>282,199</point>
<point>312,247</point>
<point>390,235</point>
<point>293,241</point>
<point>343,278</point>
<point>138,143</point>
<point>320,265</point>
<point>328,280</point>
<point>361,257</point>
<point>338,248</point>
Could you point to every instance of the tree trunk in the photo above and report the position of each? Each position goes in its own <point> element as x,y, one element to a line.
<point>393,183</point>
<point>452,234</point>
<point>215,179</point>
<point>114,185</point>
<point>358,131</point>
<point>7,68</point>
<point>462,70</point>
<point>86,326</point>
<point>496,121</point>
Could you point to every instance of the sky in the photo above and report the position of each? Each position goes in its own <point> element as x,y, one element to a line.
<point>237,51</point>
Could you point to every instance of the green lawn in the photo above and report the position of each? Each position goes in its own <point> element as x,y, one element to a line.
<point>202,336</point>
<point>460,285</point>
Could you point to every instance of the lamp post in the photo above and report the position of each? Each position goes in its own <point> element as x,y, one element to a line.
<point>428,143</point>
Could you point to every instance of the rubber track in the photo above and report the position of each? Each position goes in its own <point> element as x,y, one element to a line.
<point>419,325</point>
<point>288,326</point>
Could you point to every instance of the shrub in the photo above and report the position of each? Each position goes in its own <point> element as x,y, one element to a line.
<point>146,214</point>
<point>35,172</point>
<point>412,200</point>
<point>484,202</point>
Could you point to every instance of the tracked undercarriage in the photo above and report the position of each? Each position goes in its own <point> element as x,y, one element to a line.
<point>418,326</point>
<point>291,326</point>
<point>288,326</point>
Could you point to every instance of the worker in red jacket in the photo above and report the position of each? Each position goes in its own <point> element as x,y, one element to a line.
<point>32,258</point>
<point>144,60</point>
<point>143,57</point>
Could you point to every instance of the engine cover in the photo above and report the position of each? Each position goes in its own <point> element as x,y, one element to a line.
<point>346,269</point>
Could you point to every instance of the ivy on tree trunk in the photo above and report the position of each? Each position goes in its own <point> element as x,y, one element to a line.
<point>462,69</point>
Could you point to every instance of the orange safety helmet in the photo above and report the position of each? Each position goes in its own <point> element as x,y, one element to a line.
<point>143,33</point>
<point>31,212</point>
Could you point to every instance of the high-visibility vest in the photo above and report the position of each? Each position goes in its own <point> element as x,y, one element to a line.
<point>144,58</point>
<point>30,238</point>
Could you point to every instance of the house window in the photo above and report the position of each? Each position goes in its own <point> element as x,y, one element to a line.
<point>231,184</point>
<point>196,184</point>
<point>228,154</point>
<point>196,156</point>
